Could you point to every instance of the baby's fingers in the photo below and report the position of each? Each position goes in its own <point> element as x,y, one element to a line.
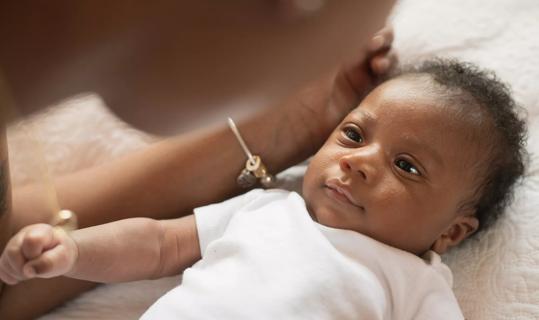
<point>28,244</point>
<point>38,238</point>
<point>52,263</point>
<point>12,260</point>
<point>7,273</point>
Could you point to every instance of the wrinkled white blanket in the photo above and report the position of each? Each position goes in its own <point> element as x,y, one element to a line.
<point>496,276</point>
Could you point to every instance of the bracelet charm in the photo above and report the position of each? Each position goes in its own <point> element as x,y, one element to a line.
<point>246,179</point>
<point>254,170</point>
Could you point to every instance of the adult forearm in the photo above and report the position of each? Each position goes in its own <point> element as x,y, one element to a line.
<point>174,176</point>
<point>124,250</point>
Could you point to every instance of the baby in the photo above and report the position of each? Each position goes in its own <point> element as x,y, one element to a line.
<point>427,159</point>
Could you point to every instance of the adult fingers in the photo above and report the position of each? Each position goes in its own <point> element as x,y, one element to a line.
<point>383,63</point>
<point>382,40</point>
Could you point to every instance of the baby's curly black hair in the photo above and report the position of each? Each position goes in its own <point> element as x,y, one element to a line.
<point>507,157</point>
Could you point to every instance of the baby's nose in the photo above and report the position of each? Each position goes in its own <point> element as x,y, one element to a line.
<point>364,163</point>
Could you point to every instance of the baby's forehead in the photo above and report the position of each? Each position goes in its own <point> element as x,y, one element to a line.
<point>407,96</point>
<point>419,88</point>
<point>420,95</point>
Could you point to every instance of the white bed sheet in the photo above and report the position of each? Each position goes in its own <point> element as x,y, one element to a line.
<point>496,276</point>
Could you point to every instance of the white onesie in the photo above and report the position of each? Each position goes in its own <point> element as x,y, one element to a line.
<point>263,257</point>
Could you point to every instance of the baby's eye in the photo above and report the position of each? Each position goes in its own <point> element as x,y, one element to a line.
<point>353,135</point>
<point>407,166</point>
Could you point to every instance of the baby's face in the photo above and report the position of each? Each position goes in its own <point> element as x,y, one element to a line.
<point>397,169</point>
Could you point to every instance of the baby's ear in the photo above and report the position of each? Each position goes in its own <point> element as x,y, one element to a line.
<point>462,227</point>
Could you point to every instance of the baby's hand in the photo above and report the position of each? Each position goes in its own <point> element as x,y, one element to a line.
<point>39,250</point>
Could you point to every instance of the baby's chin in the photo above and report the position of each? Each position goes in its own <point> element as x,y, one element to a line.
<point>332,218</point>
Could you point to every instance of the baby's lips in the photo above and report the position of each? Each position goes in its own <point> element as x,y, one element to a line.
<point>340,187</point>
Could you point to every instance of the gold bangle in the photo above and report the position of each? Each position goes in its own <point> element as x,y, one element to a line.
<point>255,170</point>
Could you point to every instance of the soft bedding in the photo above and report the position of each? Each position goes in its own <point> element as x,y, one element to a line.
<point>496,275</point>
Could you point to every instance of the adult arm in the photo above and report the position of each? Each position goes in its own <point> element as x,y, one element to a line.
<point>173,176</point>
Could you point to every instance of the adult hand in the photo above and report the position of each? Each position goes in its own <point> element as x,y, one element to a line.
<point>38,250</point>
<point>362,76</point>
<point>325,103</point>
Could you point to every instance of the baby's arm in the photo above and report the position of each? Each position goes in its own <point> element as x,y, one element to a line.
<point>124,250</point>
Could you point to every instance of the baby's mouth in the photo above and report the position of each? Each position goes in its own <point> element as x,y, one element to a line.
<point>340,192</point>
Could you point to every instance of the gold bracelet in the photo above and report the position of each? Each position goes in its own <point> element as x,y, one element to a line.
<point>255,170</point>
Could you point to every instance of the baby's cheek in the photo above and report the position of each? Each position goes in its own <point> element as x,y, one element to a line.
<point>393,204</point>
<point>315,174</point>
<point>307,184</point>
<point>390,193</point>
